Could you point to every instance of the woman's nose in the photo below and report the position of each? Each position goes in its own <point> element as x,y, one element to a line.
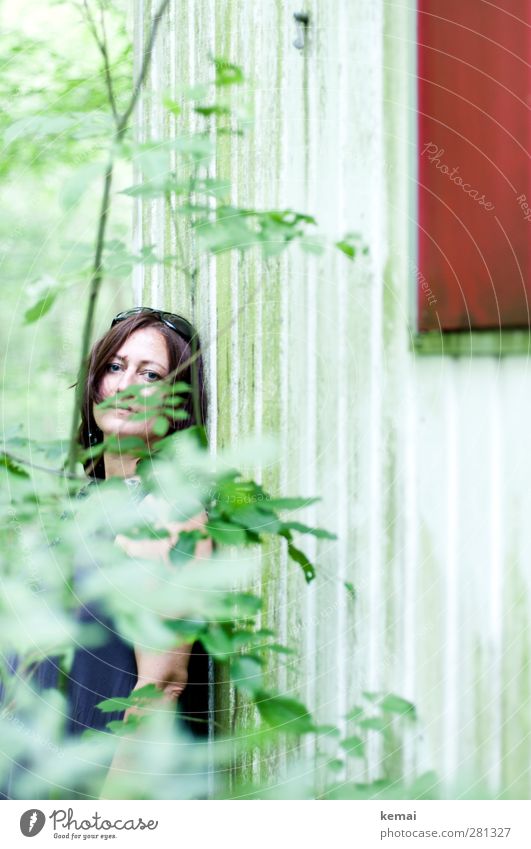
<point>125,381</point>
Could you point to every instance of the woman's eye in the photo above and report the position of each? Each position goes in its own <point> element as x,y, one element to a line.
<point>150,376</point>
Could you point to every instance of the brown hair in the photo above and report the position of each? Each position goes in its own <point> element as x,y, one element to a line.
<point>179,352</point>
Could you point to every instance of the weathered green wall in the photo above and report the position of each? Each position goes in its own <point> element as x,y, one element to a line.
<point>421,463</point>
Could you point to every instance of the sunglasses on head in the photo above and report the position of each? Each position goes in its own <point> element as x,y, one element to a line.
<point>176,322</point>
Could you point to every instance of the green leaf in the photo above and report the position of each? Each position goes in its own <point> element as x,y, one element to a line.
<point>78,183</point>
<point>187,630</point>
<point>198,147</point>
<point>248,604</point>
<point>278,227</point>
<point>320,533</point>
<point>335,764</point>
<point>255,519</point>
<point>12,466</point>
<point>132,444</point>
<point>226,533</point>
<point>79,125</point>
<point>245,637</point>
<point>351,589</point>
<point>161,426</point>
<point>284,714</point>
<point>153,160</point>
<point>289,503</point>
<point>214,109</point>
<point>121,726</point>
<point>171,105</point>
<point>374,723</point>
<point>232,229</point>
<point>136,699</point>
<point>300,558</point>
<point>41,306</point>
<point>118,261</point>
<point>184,548</point>
<point>227,73</point>
<point>371,697</point>
<point>233,494</point>
<point>396,704</point>
<point>355,713</point>
<point>246,674</point>
<point>37,126</point>
<point>218,642</point>
<point>212,186</point>
<point>147,255</point>
<point>227,131</point>
<point>350,244</point>
<point>353,746</point>
<point>278,648</point>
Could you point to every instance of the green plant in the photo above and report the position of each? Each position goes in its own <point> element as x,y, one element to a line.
<point>50,528</point>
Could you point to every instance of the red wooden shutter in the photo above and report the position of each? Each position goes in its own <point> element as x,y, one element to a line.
<point>474,167</point>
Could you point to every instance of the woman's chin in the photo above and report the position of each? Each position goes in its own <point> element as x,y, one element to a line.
<point>122,428</point>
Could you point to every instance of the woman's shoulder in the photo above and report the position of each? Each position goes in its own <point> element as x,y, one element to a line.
<point>87,488</point>
<point>134,486</point>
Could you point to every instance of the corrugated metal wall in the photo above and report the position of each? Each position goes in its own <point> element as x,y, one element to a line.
<point>422,463</point>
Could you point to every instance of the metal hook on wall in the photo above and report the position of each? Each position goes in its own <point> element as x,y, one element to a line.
<point>302,20</point>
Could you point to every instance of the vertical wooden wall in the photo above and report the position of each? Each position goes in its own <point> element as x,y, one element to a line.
<point>422,463</point>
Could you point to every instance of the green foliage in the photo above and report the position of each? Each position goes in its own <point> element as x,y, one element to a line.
<point>48,97</point>
<point>138,698</point>
<point>351,244</point>
<point>354,746</point>
<point>58,534</point>
<point>12,466</point>
<point>284,714</point>
<point>241,512</point>
<point>226,72</point>
<point>43,293</point>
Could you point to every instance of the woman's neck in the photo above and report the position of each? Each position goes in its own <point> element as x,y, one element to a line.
<point>119,465</point>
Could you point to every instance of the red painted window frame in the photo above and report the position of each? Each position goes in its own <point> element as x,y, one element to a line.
<point>474,164</point>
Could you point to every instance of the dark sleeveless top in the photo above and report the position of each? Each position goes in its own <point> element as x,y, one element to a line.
<point>110,671</point>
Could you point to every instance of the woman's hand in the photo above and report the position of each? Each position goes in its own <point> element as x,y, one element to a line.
<point>152,549</point>
<point>168,670</point>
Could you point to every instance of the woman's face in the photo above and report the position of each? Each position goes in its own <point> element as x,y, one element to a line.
<point>142,359</point>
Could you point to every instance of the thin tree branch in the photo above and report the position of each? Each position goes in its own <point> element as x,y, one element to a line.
<point>102,46</point>
<point>106,65</point>
<point>97,271</point>
<point>23,462</point>
<point>146,61</point>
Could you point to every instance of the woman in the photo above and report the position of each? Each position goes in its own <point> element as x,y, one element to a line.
<point>142,347</point>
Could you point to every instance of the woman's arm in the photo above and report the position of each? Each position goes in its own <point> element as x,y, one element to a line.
<point>167,669</point>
